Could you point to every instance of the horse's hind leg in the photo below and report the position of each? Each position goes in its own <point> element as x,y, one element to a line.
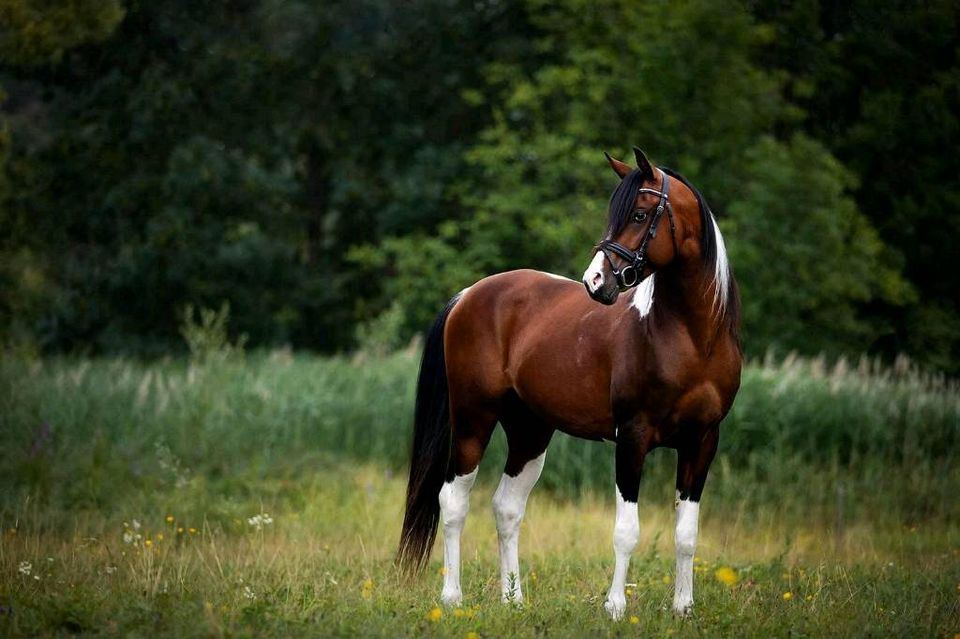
<point>471,434</point>
<point>527,439</point>
<point>693,462</point>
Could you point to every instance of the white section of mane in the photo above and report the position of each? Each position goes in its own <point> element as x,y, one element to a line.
<point>643,296</point>
<point>721,270</point>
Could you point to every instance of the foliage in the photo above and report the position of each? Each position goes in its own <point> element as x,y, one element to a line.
<point>319,167</point>
<point>38,32</point>
<point>889,435</point>
<point>207,338</point>
<point>805,256</point>
<point>263,496</point>
<point>275,558</point>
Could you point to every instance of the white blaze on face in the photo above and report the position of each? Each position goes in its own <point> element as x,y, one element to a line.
<point>593,276</point>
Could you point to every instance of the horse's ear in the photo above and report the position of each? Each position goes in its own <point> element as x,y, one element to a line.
<point>618,167</point>
<point>643,163</point>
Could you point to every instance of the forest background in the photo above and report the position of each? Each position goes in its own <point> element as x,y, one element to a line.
<point>335,173</point>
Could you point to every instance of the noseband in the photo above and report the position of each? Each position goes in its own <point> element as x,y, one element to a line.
<point>630,275</point>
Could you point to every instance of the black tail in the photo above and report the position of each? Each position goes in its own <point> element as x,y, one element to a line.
<point>431,450</point>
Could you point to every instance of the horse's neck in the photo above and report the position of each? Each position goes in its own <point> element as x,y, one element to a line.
<point>685,294</point>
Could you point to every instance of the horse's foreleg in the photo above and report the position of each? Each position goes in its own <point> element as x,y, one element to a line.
<point>693,462</point>
<point>626,530</point>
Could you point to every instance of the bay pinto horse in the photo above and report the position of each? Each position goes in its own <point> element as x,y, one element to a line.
<point>658,365</point>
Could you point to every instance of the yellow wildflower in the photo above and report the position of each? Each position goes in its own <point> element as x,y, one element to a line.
<point>472,635</point>
<point>667,579</point>
<point>726,575</point>
<point>629,592</point>
<point>159,536</point>
<point>169,519</point>
<point>180,530</point>
<point>435,615</point>
<point>787,596</point>
<point>634,620</point>
<point>443,570</point>
<point>193,531</point>
<point>459,612</point>
<point>148,543</point>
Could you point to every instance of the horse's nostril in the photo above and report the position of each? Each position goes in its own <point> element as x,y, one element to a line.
<point>596,280</point>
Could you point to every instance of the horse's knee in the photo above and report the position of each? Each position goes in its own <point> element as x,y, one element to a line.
<point>626,530</point>
<point>687,524</point>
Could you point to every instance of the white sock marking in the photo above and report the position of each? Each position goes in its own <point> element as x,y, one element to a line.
<point>595,268</point>
<point>626,534</point>
<point>688,514</point>
<point>643,296</point>
<point>454,504</point>
<point>509,505</point>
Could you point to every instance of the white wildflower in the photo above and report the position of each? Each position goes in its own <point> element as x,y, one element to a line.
<point>111,570</point>
<point>248,592</point>
<point>24,568</point>
<point>259,521</point>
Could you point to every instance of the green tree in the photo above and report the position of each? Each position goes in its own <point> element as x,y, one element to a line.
<point>683,81</point>
<point>806,258</point>
<point>879,82</point>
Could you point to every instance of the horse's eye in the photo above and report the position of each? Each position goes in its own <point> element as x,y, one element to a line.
<point>640,216</point>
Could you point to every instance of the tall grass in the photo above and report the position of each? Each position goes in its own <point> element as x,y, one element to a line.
<point>805,439</point>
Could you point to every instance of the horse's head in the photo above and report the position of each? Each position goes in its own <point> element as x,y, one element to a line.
<point>632,248</point>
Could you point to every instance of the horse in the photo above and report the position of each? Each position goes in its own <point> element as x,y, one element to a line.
<point>649,357</point>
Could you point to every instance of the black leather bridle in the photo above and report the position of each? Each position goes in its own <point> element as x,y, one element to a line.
<point>630,275</point>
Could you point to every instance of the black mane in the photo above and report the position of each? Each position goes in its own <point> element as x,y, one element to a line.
<point>622,207</point>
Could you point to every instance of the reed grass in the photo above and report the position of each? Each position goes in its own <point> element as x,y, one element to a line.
<point>803,437</point>
<point>270,486</point>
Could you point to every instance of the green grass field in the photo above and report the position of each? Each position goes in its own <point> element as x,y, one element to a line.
<point>130,496</point>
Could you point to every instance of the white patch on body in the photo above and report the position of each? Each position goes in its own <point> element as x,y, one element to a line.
<point>688,514</point>
<point>590,276</point>
<point>721,270</point>
<point>454,504</point>
<point>626,534</point>
<point>643,296</point>
<point>509,505</point>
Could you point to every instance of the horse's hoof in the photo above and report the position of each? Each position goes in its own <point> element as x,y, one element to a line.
<point>615,608</point>
<point>683,609</point>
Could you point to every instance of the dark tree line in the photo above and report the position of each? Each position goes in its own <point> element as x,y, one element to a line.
<point>336,170</point>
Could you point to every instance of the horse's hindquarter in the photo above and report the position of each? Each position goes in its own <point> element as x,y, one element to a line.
<point>538,336</point>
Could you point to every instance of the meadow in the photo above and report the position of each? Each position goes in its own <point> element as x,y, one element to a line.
<point>260,494</point>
